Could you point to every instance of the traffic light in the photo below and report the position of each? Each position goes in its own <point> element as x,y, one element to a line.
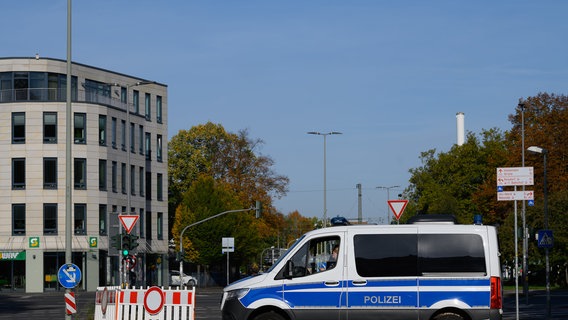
<point>258,209</point>
<point>133,241</point>
<point>125,244</point>
<point>115,242</point>
<point>180,256</point>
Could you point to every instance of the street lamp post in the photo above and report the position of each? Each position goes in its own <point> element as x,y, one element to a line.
<point>544,153</point>
<point>324,171</point>
<point>388,198</point>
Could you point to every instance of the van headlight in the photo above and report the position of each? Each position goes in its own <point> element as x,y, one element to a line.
<point>236,294</point>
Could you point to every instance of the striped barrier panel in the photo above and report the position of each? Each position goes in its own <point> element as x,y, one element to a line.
<point>152,303</point>
<point>105,303</point>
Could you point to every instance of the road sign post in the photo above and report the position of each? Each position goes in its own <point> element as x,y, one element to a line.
<point>69,276</point>
<point>515,176</point>
<point>397,207</point>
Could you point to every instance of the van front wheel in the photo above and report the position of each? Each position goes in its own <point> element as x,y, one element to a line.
<point>269,316</point>
<point>448,316</point>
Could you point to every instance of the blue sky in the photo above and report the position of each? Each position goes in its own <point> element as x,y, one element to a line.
<point>389,75</point>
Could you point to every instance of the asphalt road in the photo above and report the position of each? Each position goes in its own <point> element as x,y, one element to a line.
<point>51,305</point>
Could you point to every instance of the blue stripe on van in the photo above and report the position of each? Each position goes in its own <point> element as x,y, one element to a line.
<point>403,293</point>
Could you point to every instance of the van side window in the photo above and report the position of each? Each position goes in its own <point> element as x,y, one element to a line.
<point>451,254</point>
<point>386,255</point>
<point>317,255</point>
<point>399,255</point>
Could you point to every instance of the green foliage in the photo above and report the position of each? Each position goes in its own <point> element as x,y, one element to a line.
<point>448,182</point>
<point>212,171</point>
<point>462,181</point>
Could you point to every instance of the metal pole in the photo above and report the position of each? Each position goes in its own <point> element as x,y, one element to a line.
<point>324,183</point>
<point>324,171</point>
<point>516,261</point>
<point>68,156</point>
<point>194,224</point>
<point>523,212</point>
<point>544,153</point>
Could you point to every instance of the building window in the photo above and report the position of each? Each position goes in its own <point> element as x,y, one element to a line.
<point>136,101</point>
<point>113,132</point>
<point>148,225</point>
<point>102,219</point>
<point>123,178</point>
<point>18,173</point>
<point>50,173</point>
<point>102,130</point>
<point>159,150</point>
<point>21,85</point>
<point>49,127</point>
<point>124,95</point>
<point>123,135</point>
<point>141,182</point>
<point>159,187</point>
<point>132,137</point>
<point>160,226</point>
<point>102,175</point>
<point>80,221</point>
<point>148,145</point>
<point>18,219</point>
<point>114,177</point>
<point>141,137</point>
<point>80,132</point>
<point>18,127</point>
<point>50,218</point>
<point>133,180</point>
<point>148,185</point>
<point>80,174</point>
<point>141,221</point>
<point>159,109</point>
<point>148,106</point>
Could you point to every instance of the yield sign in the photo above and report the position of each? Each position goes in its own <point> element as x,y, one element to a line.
<point>397,207</point>
<point>128,221</point>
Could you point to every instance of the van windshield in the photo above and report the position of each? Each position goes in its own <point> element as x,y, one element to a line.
<point>283,256</point>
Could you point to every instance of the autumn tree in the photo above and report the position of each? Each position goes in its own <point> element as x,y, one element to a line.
<point>202,243</point>
<point>231,163</point>
<point>462,181</point>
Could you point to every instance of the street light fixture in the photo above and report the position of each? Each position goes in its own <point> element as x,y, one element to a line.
<point>544,152</point>
<point>324,171</point>
<point>388,198</point>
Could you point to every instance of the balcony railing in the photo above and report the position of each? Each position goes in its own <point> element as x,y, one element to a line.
<point>59,95</point>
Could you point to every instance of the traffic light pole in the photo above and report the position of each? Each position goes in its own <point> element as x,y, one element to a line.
<point>181,284</point>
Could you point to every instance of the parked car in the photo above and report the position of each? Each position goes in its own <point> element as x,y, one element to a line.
<point>187,279</point>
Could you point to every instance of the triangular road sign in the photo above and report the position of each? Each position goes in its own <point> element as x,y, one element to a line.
<point>128,221</point>
<point>397,207</point>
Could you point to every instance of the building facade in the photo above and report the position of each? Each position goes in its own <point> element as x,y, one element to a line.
<point>119,155</point>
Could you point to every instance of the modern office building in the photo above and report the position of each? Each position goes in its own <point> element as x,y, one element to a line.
<point>119,166</point>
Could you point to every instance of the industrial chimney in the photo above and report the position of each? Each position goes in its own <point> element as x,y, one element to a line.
<point>460,128</point>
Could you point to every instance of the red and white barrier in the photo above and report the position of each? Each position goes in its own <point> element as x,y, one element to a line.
<point>70,304</point>
<point>105,303</point>
<point>152,303</point>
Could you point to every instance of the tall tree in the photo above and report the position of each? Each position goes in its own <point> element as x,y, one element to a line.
<point>234,163</point>
<point>448,182</point>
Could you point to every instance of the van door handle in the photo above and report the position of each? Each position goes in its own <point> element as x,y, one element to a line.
<point>359,282</point>
<point>331,283</point>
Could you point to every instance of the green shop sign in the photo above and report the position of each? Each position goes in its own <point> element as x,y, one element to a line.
<point>10,255</point>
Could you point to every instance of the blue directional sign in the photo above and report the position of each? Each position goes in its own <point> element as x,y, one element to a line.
<point>531,203</point>
<point>499,188</point>
<point>545,239</point>
<point>69,276</point>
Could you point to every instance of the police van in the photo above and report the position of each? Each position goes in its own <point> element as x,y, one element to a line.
<point>431,271</point>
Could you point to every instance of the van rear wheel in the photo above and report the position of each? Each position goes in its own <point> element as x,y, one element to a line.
<point>448,316</point>
<point>269,316</point>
